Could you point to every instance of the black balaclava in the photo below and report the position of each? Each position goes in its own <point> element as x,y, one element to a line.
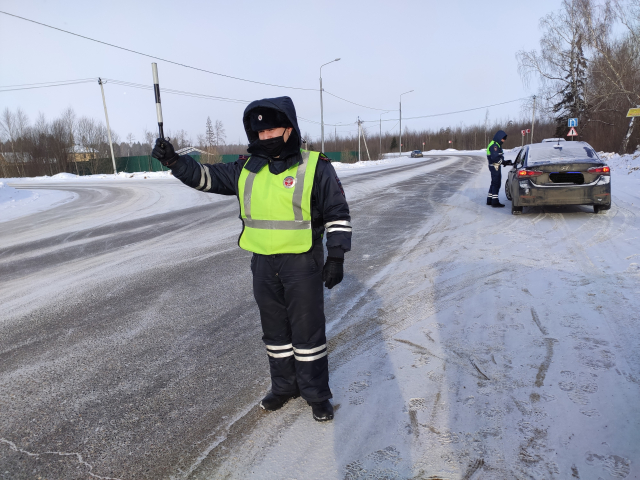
<point>264,118</point>
<point>273,146</point>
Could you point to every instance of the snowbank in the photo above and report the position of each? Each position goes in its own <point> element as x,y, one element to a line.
<point>70,177</point>
<point>623,164</point>
<point>16,203</point>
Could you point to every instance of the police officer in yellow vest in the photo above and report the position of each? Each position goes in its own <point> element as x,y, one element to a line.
<point>288,199</point>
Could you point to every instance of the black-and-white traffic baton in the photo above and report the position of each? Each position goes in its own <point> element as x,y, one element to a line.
<point>156,89</point>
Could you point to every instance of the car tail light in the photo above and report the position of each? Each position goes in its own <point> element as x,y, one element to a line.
<point>529,173</point>
<point>605,170</point>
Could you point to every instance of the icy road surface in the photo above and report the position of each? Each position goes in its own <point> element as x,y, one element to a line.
<point>465,343</point>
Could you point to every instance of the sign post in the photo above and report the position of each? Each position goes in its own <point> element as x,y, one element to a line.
<point>633,112</point>
<point>573,122</point>
<point>572,133</point>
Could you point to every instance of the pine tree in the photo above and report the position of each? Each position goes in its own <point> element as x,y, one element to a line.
<point>394,144</point>
<point>209,134</point>
<point>572,104</point>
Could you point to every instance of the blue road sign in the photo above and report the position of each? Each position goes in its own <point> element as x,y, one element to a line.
<point>573,122</point>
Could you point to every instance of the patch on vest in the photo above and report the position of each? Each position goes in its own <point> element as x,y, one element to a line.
<point>289,182</point>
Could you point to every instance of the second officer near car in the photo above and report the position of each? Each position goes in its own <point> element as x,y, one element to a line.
<point>495,156</point>
<point>288,198</point>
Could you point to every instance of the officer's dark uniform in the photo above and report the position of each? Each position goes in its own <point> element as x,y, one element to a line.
<point>287,286</point>
<point>495,156</point>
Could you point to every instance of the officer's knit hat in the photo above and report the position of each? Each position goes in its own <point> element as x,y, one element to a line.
<point>265,118</point>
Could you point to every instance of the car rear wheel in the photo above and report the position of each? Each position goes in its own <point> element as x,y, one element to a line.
<point>515,210</point>
<point>507,190</point>
<point>602,209</point>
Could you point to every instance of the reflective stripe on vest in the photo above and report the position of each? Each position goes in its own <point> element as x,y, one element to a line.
<point>277,215</point>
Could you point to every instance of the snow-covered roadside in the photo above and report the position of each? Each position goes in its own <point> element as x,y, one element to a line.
<point>21,202</point>
<point>16,203</point>
<point>498,347</point>
<point>70,177</point>
<point>623,164</point>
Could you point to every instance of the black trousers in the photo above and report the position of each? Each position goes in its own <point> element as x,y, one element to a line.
<point>496,181</point>
<point>289,292</point>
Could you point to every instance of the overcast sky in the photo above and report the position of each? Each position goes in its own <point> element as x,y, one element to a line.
<point>454,55</point>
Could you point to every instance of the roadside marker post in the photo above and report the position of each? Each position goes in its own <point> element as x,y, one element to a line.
<point>524,132</point>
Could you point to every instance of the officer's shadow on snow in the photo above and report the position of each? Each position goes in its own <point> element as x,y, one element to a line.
<point>371,436</point>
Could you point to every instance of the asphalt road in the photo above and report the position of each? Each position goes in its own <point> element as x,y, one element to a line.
<point>130,344</point>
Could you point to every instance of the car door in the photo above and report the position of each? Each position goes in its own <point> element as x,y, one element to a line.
<point>511,176</point>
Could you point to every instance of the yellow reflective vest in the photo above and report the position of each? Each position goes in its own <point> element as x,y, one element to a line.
<point>276,209</point>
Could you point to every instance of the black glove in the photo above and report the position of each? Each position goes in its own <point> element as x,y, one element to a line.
<point>164,152</point>
<point>332,272</point>
<point>507,162</point>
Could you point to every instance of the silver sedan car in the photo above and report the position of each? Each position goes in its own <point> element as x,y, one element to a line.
<point>560,173</point>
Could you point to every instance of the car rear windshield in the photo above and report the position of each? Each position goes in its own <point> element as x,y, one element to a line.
<point>565,152</point>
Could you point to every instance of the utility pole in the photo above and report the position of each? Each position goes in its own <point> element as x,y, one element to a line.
<point>381,134</point>
<point>359,131</point>
<point>106,116</point>
<point>533,117</point>
<point>400,143</point>
<point>321,106</point>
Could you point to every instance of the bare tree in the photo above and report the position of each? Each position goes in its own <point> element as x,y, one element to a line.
<point>616,63</point>
<point>14,127</point>
<point>219,134</point>
<point>130,141</point>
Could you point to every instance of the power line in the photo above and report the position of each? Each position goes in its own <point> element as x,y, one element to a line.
<point>448,113</point>
<point>46,83</point>
<point>177,92</point>
<point>353,103</point>
<point>155,57</point>
<point>56,84</point>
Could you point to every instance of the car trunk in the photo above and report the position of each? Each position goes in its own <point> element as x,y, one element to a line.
<point>565,173</point>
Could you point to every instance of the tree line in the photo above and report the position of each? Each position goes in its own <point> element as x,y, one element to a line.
<point>588,66</point>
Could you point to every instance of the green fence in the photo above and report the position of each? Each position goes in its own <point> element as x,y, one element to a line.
<point>142,163</point>
<point>347,157</point>
<point>146,163</point>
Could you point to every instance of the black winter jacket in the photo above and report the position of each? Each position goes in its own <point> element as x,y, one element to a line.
<point>496,154</point>
<point>328,202</point>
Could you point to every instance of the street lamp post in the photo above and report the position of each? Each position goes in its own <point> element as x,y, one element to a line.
<point>400,143</point>
<point>381,133</point>
<point>321,107</point>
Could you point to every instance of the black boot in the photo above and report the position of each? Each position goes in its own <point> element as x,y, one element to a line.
<point>496,203</point>
<point>273,402</point>
<point>322,411</point>
<point>489,200</point>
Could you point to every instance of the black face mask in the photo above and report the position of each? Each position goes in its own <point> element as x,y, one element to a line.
<point>272,146</point>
